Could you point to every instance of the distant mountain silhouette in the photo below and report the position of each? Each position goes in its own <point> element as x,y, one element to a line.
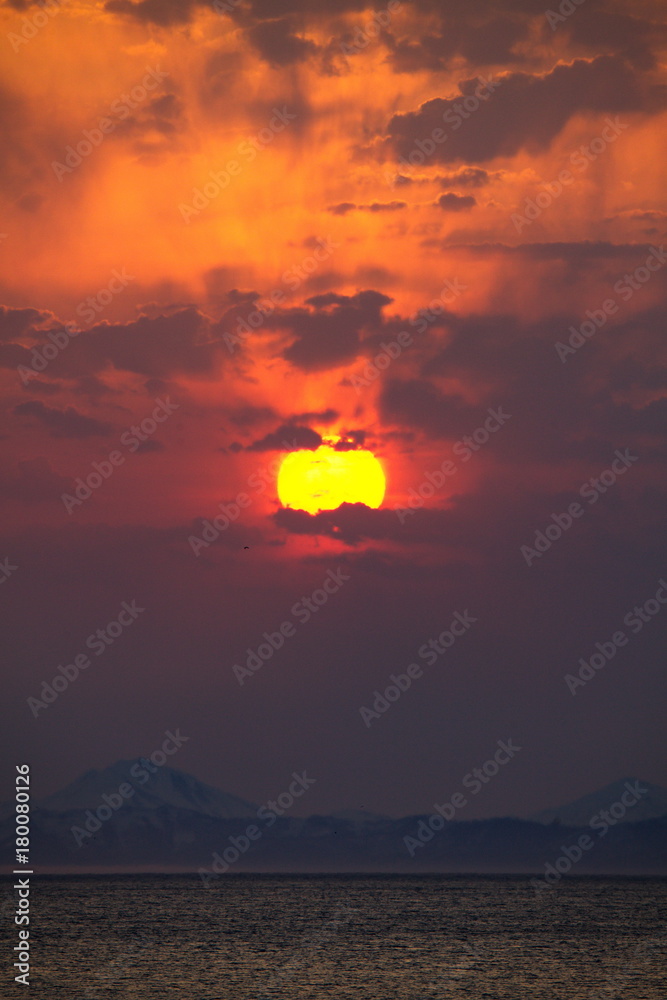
<point>154,787</point>
<point>651,805</point>
<point>174,822</point>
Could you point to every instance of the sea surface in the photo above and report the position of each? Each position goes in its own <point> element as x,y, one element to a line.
<point>356,937</point>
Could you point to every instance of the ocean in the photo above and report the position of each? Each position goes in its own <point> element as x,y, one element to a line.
<point>350,937</point>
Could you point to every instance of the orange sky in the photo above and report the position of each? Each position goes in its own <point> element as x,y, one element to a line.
<point>121,116</point>
<point>129,204</point>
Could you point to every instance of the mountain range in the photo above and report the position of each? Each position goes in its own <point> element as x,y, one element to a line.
<point>131,818</point>
<point>651,805</point>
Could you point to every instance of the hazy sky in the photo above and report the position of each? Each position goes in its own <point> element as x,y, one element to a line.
<point>212,222</point>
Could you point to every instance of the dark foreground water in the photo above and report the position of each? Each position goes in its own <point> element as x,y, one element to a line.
<point>353,937</point>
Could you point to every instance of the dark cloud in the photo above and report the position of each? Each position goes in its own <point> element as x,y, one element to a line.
<point>349,523</point>
<point>15,322</point>
<point>155,127</point>
<point>559,413</point>
<point>488,525</point>
<point>13,355</point>
<point>350,440</point>
<point>236,297</point>
<point>342,208</point>
<point>614,31</point>
<point>288,437</point>
<point>277,43</point>
<point>631,373</point>
<point>165,13</point>
<point>384,206</point>
<point>157,347</point>
<point>524,112</point>
<point>354,523</point>
<point>166,107</point>
<point>451,202</point>
<point>481,43</point>
<point>377,206</point>
<point>584,251</point>
<point>68,423</point>
<point>329,333</point>
<point>175,12</point>
<point>149,446</point>
<point>491,43</point>
<point>419,403</point>
<point>485,35</point>
<point>263,9</point>
<point>467,177</point>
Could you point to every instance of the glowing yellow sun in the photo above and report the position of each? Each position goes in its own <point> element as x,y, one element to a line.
<point>326,478</point>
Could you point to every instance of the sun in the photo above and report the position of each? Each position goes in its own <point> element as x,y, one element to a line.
<point>326,478</point>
